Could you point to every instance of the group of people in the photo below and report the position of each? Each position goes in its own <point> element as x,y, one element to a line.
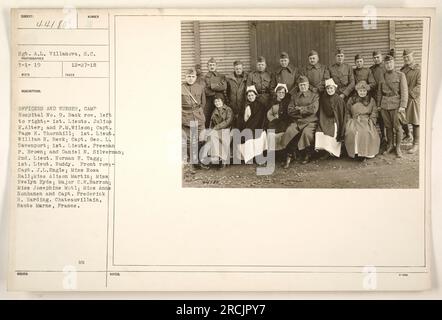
<point>314,108</point>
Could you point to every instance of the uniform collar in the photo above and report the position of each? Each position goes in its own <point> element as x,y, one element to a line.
<point>316,66</point>
<point>289,68</point>
<point>305,94</point>
<point>413,66</point>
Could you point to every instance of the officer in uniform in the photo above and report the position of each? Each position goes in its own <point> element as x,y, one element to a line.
<point>261,79</point>
<point>413,75</point>
<point>215,83</point>
<point>316,73</point>
<point>378,70</point>
<point>362,73</point>
<point>392,101</point>
<point>193,101</point>
<point>236,90</point>
<point>342,74</point>
<point>286,74</point>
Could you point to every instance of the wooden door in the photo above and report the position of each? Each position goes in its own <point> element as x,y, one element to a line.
<point>297,38</point>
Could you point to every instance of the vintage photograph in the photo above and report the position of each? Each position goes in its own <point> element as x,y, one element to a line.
<point>301,104</point>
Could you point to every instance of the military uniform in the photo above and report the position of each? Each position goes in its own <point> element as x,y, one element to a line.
<point>193,101</point>
<point>377,70</point>
<point>343,76</point>
<point>392,94</point>
<point>303,114</point>
<point>413,76</point>
<point>288,76</point>
<point>236,94</point>
<point>316,74</point>
<point>365,74</point>
<point>262,82</point>
<point>215,83</point>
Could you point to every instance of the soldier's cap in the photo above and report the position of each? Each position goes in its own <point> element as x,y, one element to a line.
<point>330,82</point>
<point>284,55</point>
<point>362,85</point>
<point>252,89</point>
<point>211,60</point>
<point>313,53</point>
<point>377,53</point>
<point>358,56</point>
<point>280,86</point>
<point>407,52</point>
<point>190,71</point>
<point>339,51</point>
<point>219,96</point>
<point>389,58</point>
<point>237,62</point>
<point>303,79</point>
<point>197,66</point>
<point>261,59</point>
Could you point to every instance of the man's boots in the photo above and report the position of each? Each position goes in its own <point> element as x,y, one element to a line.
<point>399,135</point>
<point>415,146</point>
<point>390,146</point>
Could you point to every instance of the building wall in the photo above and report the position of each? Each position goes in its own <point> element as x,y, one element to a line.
<point>228,41</point>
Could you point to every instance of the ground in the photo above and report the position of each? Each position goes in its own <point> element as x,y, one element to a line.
<point>383,171</point>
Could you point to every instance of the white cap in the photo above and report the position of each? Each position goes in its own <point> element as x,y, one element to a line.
<point>282,85</point>
<point>330,82</point>
<point>252,88</point>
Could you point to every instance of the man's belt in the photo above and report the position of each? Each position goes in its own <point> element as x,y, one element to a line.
<point>389,94</point>
<point>191,108</point>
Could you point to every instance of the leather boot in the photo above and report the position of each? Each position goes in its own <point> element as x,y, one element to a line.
<point>390,146</point>
<point>415,146</point>
<point>407,134</point>
<point>288,159</point>
<point>399,135</point>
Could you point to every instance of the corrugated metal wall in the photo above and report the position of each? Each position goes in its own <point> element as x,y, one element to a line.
<point>409,35</point>
<point>354,39</point>
<point>187,46</point>
<point>226,41</point>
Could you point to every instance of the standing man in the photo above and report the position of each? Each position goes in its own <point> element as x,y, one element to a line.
<point>316,73</point>
<point>362,73</point>
<point>193,100</point>
<point>413,75</point>
<point>261,79</point>
<point>199,75</point>
<point>286,74</point>
<point>392,100</point>
<point>378,70</point>
<point>342,74</point>
<point>215,83</point>
<point>236,90</point>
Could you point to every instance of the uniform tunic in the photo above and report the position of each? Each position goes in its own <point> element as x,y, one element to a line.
<point>378,71</point>
<point>218,141</point>
<point>361,136</point>
<point>316,74</point>
<point>343,76</point>
<point>364,74</point>
<point>302,112</point>
<point>288,76</point>
<point>215,83</point>
<point>192,111</point>
<point>392,94</point>
<point>262,82</point>
<point>413,76</point>
<point>236,94</point>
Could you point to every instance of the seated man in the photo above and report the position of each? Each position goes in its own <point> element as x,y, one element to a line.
<point>300,134</point>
